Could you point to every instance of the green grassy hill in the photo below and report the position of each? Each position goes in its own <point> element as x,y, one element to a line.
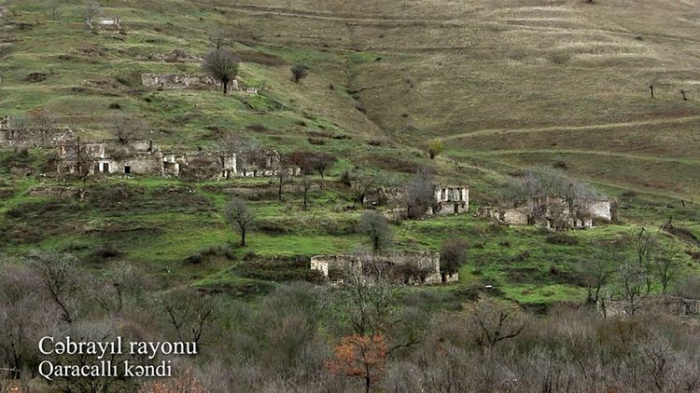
<point>504,84</point>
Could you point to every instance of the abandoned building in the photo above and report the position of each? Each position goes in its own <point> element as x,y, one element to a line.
<point>555,213</point>
<point>32,136</point>
<point>450,200</point>
<point>416,268</point>
<point>447,200</point>
<point>103,23</point>
<point>88,158</point>
<point>141,157</point>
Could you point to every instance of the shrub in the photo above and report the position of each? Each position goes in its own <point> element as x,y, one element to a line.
<point>562,239</point>
<point>435,148</point>
<point>317,141</point>
<point>688,287</point>
<point>208,253</point>
<point>299,72</point>
<point>102,254</point>
<point>453,255</point>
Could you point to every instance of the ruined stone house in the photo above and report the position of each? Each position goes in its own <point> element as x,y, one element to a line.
<point>106,23</point>
<point>450,200</point>
<point>32,137</point>
<point>177,81</point>
<point>140,157</point>
<point>555,213</point>
<point>447,200</point>
<point>183,81</point>
<point>412,268</point>
<point>88,158</point>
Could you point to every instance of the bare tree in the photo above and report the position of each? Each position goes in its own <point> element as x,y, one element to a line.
<point>57,273</point>
<point>18,125</point>
<point>222,65</point>
<point>283,177</point>
<point>363,183</point>
<point>240,216</point>
<point>377,229</point>
<point>306,184</point>
<point>494,322</point>
<point>55,9</point>
<point>367,307</point>
<point>420,194</point>
<point>633,283</point>
<point>666,267</point>
<point>43,121</point>
<point>321,162</point>
<point>219,41</point>
<point>645,246</point>
<point>597,273</point>
<point>92,9</point>
<point>189,313</point>
<point>125,128</point>
<point>24,314</point>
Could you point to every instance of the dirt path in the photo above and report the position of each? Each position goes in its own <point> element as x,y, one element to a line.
<point>501,131</point>
<point>591,152</point>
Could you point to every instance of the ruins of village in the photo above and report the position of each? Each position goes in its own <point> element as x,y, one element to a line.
<point>75,157</point>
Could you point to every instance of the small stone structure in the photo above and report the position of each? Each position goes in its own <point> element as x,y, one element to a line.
<point>182,81</point>
<point>176,56</point>
<point>177,81</point>
<point>666,304</point>
<point>103,23</point>
<point>554,213</point>
<point>141,157</point>
<point>448,200</point>
<point>88,158</point>
<point>415,268</point>
<point>32,136</point>
<point>451,200</point>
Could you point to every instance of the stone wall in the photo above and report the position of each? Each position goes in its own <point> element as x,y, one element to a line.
<point>601,209</point>
<point>32,137</point>
<point>143,157</point>
<point>134,158</point>
<point>103,23</point>
<point>553,213</point>
<point>399,268</point>
<point>177,81</point>
<point>667,304</point>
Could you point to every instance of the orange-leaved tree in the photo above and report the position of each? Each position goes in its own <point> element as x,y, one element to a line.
<point>360,356</point>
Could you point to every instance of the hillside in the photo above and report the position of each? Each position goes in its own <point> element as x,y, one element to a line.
<point>503,84</point>
<point>393,195</point>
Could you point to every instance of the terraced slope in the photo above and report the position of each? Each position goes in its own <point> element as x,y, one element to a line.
<point>550,78</point>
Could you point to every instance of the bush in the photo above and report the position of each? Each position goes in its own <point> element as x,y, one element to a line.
<point>299,72</point>
<point>316,141</point>
<point>688,287</point>
<point>257,127</point>
<point>103,254</point>
<point>453,255</point>
<point>562,239</point>
<point>209,253</point>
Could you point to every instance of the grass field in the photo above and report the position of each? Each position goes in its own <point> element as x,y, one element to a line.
<point>505,84</point>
